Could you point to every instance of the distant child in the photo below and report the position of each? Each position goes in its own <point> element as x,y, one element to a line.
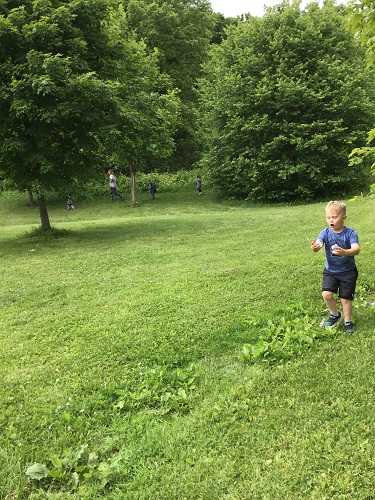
<point>340,273</point>
<point>152,188</point>
<point>112,185</point>
<point>69,204</point>
<point>199,184</point>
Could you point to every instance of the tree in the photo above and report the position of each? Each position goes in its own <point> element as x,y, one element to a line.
<point>361,20</point>
<point>222,23</point>
<point>180,30</point>
<point>145,121</point>
<point>63,70</point>
<point>284,99</point>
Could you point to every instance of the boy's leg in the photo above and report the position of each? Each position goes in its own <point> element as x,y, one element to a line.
<point>334,316</point>
<point>347,307</point>
<point>347,288</point>
<point>330,301</point>
<point>330,286</point>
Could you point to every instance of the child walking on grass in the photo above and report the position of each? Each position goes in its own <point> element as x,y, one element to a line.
<point>340,273</point>
<point>113,184</point>
<point>69,203</point>
<point>151,187</point>
<point>198,182</point>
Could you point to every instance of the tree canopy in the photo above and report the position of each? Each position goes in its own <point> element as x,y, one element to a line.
<point>70,77</point>
<point>285,99</point>
<point>180,31</point>
<point>362,22</point>
<point>361,19</point>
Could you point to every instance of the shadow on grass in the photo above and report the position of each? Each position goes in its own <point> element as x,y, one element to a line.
<point>40,234</point>
<point>86,234</point>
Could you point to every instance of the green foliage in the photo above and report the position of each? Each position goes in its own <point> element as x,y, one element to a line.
<point>75,85</point>
<point>180,31</point>
<point>51,90</point>
<point>361,20</point>
<point>284,339</point>
<point>220,28</point>
<point>37,471</point>
<point>284,99</point>
<point>169,390</point>
<point>361,156</point>
<point>77,466</point>
<point>166,182</point>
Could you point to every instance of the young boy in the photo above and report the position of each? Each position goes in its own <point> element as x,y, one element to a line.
<point>340,273</point>
<point>113,184</point>
<point>69,203</point>
<point>151,187</point>
<point>198,181</point>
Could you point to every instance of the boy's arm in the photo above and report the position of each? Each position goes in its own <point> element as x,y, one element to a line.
<point>316,245</point>
<point>348,252</point>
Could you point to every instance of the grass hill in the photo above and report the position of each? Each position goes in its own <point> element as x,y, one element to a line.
<point>172,350</point>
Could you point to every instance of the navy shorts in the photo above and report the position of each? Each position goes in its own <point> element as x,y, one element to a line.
<point>343,283</point>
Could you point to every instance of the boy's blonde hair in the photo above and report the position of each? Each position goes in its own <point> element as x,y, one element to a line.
<point>336,207</point>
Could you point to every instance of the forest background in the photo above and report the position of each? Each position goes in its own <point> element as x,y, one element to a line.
<point>268,108</point>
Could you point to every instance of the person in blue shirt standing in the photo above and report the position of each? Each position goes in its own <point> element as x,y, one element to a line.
<point>340,273</point>
<point>152,188</point>
<point>198,181</point>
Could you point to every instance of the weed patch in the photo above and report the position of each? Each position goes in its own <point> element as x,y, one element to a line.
<point>282,340</point>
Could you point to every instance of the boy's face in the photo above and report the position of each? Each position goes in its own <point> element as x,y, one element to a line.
<point>335,220</point>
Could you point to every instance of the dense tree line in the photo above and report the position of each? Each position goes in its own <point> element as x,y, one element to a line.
<point>361,19</point>
<point>285,99</point>
<point>270,106</point>
<point>180,31</point>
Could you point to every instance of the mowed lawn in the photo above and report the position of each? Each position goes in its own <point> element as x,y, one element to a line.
<point>121,355</point>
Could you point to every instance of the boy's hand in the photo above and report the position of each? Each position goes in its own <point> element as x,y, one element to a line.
<point>353,250</point>
<point>316,245</point>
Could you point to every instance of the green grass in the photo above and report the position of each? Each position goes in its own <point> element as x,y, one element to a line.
<point>122,353</point>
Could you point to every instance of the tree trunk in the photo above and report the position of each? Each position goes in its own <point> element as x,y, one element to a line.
<point>132,176</point>
<point>44,219</point>
<point>31,197</point>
